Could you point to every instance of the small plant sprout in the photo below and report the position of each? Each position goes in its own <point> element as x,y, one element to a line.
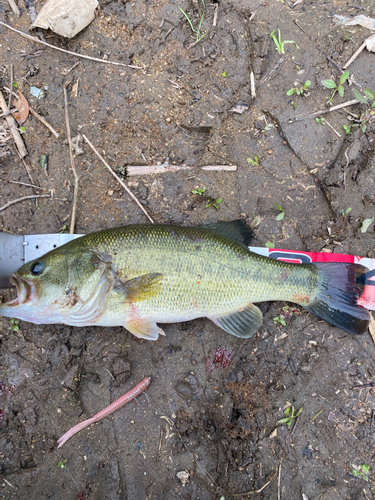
<point>224,74</point>
<point>285,315</point>
<point>321,121</point>
<point>197,33</point>
<point>330,84</point>
<point>345,213</point>
<point>362,471</point>
<point>282,212</point>
<point>61,464</point>
<point>299,90</point>
<point>14,325</point>
<point>280,46</point>
<point>254,161</point>
<point>347,129</point>
<point>199,191</point>
<point>215,204</point>
<point>368,98</point>
<point>269,244</point>
<point>290,414</point>
<point>22,130</point>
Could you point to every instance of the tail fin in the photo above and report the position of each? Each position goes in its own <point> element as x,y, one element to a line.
<point>336,300</point>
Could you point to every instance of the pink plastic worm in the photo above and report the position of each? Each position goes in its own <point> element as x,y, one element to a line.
<point>107,411</point>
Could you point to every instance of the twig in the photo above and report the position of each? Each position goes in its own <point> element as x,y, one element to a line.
<point>27,168</point>
<point>166,167</point>
<point>372,327</point>
<point>252,85</point>
<point>76,178</point>
<point>13,202</point>
<point>279,481</point>
<point>335,131</point>
<point>324,111</point>
<point>36,40</point>
<point>107,411</point>
<point>214,23</point>
<point>28,185</point>
<point>355,55</point>
<point>8,483</point>
<point>118,178</point>
<point>13,127</point>
<point>253,492</point>
<point>11,88</point>
<point>14,8</point>
<point>41,119</point>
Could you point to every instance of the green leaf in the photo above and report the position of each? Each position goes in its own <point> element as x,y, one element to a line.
<point>22,130</point>
<point>307,84</point>
<point>299,411</point>
<point>329,84</point>
<point>269,244</point>
<point>290,91</point>
<point>280,216</point>
<point>279,208</point>
<point>370,94</point>
<point>283,420</point>
<point>224,73</point>
<point>341,90</point>
<point>344,77</point>
<point>287,411</point>
<point>365,467</point>
<point>359,97</point>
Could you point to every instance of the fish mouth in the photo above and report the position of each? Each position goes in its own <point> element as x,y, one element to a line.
<point>25,290</point>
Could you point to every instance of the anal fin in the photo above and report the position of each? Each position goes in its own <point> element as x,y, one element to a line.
<point>144,328</point>
<point>243,323</point>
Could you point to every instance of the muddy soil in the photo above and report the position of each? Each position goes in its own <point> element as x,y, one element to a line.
<point>214,401</point>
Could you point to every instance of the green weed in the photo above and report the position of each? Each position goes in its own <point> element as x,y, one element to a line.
<point>330,84</point>
<point>282,212</point>
<point>300,90</point>
<point>362,471</point>
<point>197,33</point>
<point>280,46</point>
<point>14,325</point>
<point>214,204</point>
<point>254,161</point>
<point>321,121</point>
<point>290,414</point>
<point>199,191</point>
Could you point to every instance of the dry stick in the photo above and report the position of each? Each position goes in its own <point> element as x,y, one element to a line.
<point>118,178</point>
<point>279,481</point>
<point>324,111</point>
<point>28,185</point>
<point>13,128</point>
<point>14,8</point>
<point>107,411</point>
<point>11,87</point>
<point>36,40</point>
<point>355,55</point>
<point>28,170</point>
<point>161,169</point>
<point>76,178</point>
<point>41,119</point>
<point>331,126</point>
<point>252,85</point>
<point>13,202</point>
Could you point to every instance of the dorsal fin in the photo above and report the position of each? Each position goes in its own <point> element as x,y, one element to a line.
<point>237,230</point>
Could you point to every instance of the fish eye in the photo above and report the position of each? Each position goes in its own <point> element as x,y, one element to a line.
<point>36,268</point>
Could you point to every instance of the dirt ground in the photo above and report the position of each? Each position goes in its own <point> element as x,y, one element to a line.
<point>223,395</point>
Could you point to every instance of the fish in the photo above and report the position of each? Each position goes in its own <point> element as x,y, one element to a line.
<point>137,276</point>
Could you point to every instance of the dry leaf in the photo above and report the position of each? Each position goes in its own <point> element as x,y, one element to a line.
<point>23,108</point>
<point>66,17</point>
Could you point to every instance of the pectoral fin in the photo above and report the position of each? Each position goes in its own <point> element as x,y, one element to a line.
<point>243,323</point>
<point>144,328</point>
<point>140,288</point>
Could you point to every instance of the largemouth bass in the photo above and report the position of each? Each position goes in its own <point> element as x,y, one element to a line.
<point>139,275</point>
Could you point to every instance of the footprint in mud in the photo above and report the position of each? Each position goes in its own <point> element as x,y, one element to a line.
<point>188,388</point>
<point>121,371</point>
